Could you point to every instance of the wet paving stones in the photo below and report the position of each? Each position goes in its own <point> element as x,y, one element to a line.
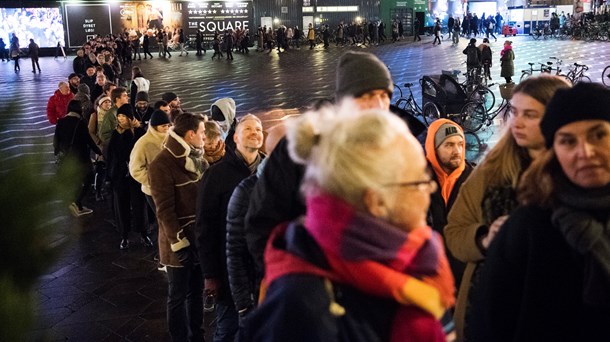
<point>96,292</point>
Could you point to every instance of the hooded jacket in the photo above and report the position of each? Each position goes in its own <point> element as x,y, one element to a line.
<point>442,200</point>
<point>223,111</point>
<point>446,182</point>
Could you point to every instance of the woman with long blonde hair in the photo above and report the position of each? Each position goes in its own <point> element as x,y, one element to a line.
<point>488,196</point>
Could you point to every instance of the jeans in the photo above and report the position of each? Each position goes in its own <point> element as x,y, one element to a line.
<point>227,323</point>
<point>185,303</point>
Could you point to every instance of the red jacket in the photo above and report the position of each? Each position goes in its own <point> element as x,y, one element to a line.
<point>57,106</point>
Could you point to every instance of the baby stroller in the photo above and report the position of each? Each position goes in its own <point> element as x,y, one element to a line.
<point>444,97</point>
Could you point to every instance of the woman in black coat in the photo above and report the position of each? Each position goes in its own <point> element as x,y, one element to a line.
<point>547,273</point>
<point>128,197</point>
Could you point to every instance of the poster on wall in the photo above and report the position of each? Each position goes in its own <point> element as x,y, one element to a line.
<point>44,25</point>
<point>217,16</point>
<point>145,16</point>
<point>85,21</point>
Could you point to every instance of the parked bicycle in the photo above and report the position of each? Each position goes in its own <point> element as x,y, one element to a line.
<point>577,73</point>
<point>606,76</point>
<point>527,73</point>
<point>477,89</point>
<point>428,113</point>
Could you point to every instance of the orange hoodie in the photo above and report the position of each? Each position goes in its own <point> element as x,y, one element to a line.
<point>446,182</point>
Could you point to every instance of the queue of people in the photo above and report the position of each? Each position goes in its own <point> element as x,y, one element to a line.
<point>341,226</point>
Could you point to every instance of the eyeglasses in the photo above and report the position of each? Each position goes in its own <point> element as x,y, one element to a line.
<point>425,185</point>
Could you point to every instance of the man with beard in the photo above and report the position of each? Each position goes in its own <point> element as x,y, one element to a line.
<point>172,100</point>
<point>74,81</point>
<point>445,150</point>
<point>143,111</point>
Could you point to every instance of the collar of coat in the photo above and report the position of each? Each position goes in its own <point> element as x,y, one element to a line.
<point>179,148</point>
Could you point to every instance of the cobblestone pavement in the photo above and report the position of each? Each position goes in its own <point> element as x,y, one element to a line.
<point>97,292</point>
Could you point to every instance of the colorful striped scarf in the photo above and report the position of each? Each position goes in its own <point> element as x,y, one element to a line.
<point>377,258</point>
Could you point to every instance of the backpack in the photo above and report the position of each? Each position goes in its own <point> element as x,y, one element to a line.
<point>486,54</point>
<point>472,57</point>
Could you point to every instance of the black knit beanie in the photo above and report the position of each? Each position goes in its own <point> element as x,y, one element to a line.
<point>142,96</point>
<point>169,97</point>
<point>75,106</point>
<point>584,101</point>
<point>361,72</point>
<point>159,117</point>
<point>126,110</point>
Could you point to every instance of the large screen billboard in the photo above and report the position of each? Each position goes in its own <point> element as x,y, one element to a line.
<point>44,25</point>
<point>85,21</point>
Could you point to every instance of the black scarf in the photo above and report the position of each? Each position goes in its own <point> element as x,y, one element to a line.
<point>252,167</point>
<point>583,217</point>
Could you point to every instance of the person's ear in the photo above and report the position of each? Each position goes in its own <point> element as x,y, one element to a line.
<point>375,204</point>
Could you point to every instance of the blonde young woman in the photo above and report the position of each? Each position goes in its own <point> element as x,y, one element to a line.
<point>488,196</point>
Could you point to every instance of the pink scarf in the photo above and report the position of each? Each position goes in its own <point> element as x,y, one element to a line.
<point>506,48</point>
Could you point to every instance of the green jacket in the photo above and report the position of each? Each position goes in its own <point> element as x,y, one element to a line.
<point>108,125</point>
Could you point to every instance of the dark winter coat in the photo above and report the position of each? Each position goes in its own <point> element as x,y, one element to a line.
<point>90,82</point>
<point>33,51</point>
<point>296,307</point>
<point>531,286</point>
<point>508,66</point>
<point>213,197</point>
<point>276,198</point>
<point>240,265</point>
<point>79,65</point>
<point>437,217</point>
<point>473,56</point>
<point>119,150</point>
<point>71,126</point>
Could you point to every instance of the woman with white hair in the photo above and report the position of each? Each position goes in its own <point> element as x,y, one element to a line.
<point>362,265</point>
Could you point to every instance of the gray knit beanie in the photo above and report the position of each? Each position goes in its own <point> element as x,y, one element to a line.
<point>83,88</point>
<point>361,72</point>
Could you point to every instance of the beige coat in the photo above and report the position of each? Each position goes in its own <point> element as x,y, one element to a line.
<point>144,152</point>
<point>463,222</point>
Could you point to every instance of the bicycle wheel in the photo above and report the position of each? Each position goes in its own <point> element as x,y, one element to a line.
<point>473,116</point>
<point>525,74</point>
<point>570,76</point>
<point>485,96</point>
<point>583,79</point>
<point>606,76</point>
<point>430,113</point>
<point>474,146</point>
<point>401,103</point>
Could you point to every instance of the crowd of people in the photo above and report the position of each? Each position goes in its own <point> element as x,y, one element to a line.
<point>339,224</point>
